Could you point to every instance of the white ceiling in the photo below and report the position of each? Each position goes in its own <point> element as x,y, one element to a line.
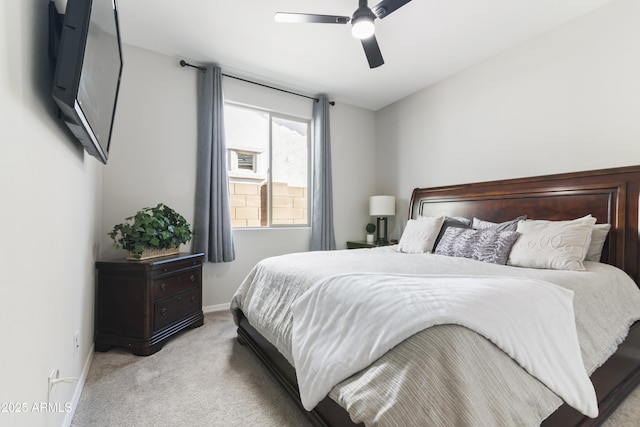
<point>423,42</point>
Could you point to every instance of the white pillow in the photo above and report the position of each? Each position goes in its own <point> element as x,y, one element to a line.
<point>557,245</point>
<point>598,236</point>
<point>420,234</point>
<point>510,225</point>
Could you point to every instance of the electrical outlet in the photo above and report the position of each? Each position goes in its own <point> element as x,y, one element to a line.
<point>76,343</point>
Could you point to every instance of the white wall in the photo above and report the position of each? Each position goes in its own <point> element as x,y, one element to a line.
<point>566,101</point>
<point>152,157</point>
<point>50,195</point>
<point>153,160</point>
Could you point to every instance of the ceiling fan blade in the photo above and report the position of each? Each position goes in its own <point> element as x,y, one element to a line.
<point>310,18</point>
<point>372,51</point>
<point>387,7</point>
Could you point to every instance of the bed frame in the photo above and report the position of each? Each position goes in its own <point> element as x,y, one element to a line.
<point>611,195</point>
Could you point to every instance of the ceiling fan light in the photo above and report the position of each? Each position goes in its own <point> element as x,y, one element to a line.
<point>362,27</point>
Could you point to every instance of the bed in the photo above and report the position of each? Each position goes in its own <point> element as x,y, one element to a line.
<point>448,374</point>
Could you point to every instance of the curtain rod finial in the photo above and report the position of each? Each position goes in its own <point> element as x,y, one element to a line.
<point>184,63</point>
<point>330,102</point>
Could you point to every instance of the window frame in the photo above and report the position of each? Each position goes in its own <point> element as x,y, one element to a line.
<point>271,114</point>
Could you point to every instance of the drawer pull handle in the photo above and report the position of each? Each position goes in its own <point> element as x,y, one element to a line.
<point>163,311</point>
<point>163,286</point>
<point>193,278</point>
<point>193,299</point>
<point>179,299</point>
<point>164,270</point>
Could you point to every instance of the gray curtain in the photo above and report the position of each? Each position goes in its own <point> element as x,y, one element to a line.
<point>212,223</point>
<point>322,235</point>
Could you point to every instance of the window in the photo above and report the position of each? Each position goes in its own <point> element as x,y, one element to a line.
<point>268,164</point>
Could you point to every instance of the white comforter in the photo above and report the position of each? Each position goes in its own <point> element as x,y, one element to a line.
<point>446,374</point>
<point>346,322</point>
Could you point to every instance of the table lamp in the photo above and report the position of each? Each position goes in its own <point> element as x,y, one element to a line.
<point>382,207</point>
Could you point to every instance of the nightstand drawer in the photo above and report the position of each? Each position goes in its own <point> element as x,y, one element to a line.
<point>175,308</point>
<point>171,285</point>
<point>168,269</point>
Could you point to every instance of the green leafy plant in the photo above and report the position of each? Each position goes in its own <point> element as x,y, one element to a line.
<point>371,228</point>
<point>159,228</point>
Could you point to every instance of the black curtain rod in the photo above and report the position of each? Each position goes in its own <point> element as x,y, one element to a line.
<point>184,63</point>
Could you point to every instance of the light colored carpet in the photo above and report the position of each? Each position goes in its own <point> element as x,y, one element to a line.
<point>203,377</point>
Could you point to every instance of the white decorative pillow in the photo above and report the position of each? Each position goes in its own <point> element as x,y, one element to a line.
<point>420,234</point>
<point>557,245</point>
<point>598,236</point>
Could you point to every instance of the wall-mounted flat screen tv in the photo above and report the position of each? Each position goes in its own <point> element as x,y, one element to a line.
<point>88,67</point>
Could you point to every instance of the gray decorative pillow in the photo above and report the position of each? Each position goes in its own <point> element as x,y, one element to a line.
<point>488,245</point>
<point>450,221</point>
<point>512,225</point>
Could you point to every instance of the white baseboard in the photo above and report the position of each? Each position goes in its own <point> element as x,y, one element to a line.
<point>216,307</point>
<point>78,391</point>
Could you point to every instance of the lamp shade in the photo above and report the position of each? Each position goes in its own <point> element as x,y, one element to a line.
<point>382,205</point>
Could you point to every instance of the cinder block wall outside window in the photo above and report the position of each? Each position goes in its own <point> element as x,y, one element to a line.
<point>249,204</point>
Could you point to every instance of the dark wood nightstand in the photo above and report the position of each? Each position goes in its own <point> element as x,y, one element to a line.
<point>141,304</point>
<point>360,245</point>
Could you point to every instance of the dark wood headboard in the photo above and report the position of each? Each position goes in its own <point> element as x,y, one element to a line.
<point>610,195</point>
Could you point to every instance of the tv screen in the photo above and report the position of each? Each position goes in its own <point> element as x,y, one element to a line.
<point>88,67</point>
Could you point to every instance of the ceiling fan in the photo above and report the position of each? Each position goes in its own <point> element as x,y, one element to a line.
<point>362,26</point>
